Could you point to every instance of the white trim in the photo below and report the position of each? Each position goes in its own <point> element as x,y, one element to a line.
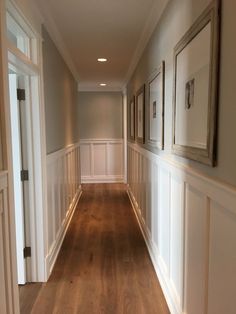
<point>12,293</point>
<point>152,252</point>
<point>53,254</point>
<point>152,21</point>
<point>98,168</point>
<point>37,143</point>
<point>25,64</point>
<point>101,140</point>
<point>41,197</point>
<point>17,13</point>
<point>56,37</point>
<point>184,207</point>
<point>103,179</point>
<point>63,193</point>
<point>226,193</point>
<point>58,153</point>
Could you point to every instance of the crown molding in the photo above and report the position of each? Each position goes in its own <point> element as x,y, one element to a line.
<point>52,29</point>
<point>152,21</point>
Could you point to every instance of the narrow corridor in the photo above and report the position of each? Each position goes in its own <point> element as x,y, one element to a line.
<point>103,266</point>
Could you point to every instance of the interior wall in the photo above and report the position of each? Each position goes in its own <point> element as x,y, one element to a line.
<point>101,136</point>
<point>100,115</point>
<point>176,20</point>
<point>60,90</point>
<point>188,217</point>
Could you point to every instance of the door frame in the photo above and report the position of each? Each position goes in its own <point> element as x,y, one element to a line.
<point>38,197</point>
<point>16,141</point>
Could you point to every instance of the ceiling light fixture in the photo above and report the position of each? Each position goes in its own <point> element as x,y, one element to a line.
<point>102,59</point>
<point>103,84</point>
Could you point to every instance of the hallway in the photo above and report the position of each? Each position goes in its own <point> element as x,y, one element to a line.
<point>103,266</point>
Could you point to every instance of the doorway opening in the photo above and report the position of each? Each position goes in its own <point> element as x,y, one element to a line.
<point>19,92</point>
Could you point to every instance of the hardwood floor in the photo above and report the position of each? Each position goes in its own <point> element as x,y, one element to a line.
<point>103,266</point>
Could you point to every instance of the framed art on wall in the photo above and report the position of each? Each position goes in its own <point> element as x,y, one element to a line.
<point>132,119</point>
<point>140,115</point>
<point>156,109</point>
<point>195,89</point>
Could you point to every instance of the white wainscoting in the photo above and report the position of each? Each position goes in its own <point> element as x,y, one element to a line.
<point>6,271</point>
<point>63,192</point>
<point>102,160</point>
<point>189,224</point>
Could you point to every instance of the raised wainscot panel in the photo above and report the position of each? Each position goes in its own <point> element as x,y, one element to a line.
<point>177,239</point>
<point>6,271</point>
<point>193,232</point>
<point>222,261</point>
<point>196,246</point>
<point>63,192</point>
<point>164,219</point>
<point>102,160</point>
<point>115,159</point>
<point>155,208</point>
<point>3,291</point>
<point>148,186</point>
<point>86,159</point>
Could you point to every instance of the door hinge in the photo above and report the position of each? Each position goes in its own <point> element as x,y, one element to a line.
<point>20,94</point>
<point>27,251</point>
<point>24,174</point>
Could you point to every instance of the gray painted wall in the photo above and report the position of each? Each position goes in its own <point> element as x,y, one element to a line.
<point>60,90</point>
<point>100,115</point>
<point>176,20</point>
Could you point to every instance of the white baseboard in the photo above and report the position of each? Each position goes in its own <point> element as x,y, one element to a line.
<point>152,253</point>
<point>102,179</point>
<point>55,249</point>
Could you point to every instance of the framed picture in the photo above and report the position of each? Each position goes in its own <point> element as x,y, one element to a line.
<point>156,109</point>
<point>140,115</point>
<point>195,89</point>
<point>132,119</point>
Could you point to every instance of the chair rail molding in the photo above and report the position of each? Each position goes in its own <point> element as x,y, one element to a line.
<point>188,221</point>
<point>102,160</point>
<point>63,193</point>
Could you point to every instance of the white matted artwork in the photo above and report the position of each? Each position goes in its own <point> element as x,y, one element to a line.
<point>140,114</point>
<point>195,88</point>
<point>156,109</point>
<point>192,91</point>
<point>132,119</point>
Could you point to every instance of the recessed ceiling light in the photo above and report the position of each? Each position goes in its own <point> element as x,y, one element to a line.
<point>103,84</point>
<point>102,59</point>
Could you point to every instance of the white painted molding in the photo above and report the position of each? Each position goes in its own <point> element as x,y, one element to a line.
<point>63,192</point>
<point>26,18</point>
<point>101,140</point>
<point>55,250</point>
<point>150,246</point>
<point>8,292</point>
<point>188,221</point>
<point>102,160</point>
<point>152,21</point>
<point>209,184</point>
<point>52,29</point>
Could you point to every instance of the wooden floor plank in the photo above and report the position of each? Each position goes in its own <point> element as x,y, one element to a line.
<point>103,266</point>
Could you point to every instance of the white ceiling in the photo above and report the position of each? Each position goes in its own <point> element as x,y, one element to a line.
<point>88,29</point>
